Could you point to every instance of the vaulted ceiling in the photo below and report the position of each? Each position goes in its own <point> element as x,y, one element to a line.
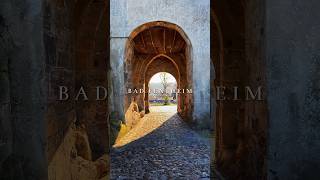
<point>159,40</point>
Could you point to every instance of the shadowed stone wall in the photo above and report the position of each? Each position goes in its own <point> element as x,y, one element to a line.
<point>279,47</point>
<point>23,93</point>
<point>77,56</point>
<point>39,43</point>
<point>59,39</point>
<point>238,58</point>
<point>293,63</point>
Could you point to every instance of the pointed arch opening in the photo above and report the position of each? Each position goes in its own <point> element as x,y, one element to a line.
<point>158,47</point>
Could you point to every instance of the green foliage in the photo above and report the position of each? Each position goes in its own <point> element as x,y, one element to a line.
<point>161,104</point>
<point>166,100</point>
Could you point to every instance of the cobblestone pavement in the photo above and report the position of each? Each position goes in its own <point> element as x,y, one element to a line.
<point>161,146</point>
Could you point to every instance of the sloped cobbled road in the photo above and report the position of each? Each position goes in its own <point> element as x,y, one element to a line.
<point>161,146</point>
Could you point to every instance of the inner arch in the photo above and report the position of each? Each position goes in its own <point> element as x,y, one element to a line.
<point>163,91</point>
<point>158,47</point>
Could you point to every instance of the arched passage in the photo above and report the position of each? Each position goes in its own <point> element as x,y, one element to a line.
<point>162,88</point>
<point>158,47</point>
<point>160,63</point>
<point>152,47</point>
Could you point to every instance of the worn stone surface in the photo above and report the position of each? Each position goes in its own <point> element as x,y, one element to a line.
<point>161,146</point>
<point>22,148</point>
<point>5,123</point>
<point>293,63</point>
<point>72,160</point>
<point>44,45</point>
<point>238,59</point>
<point>133,115</point>
<point>76,34</point>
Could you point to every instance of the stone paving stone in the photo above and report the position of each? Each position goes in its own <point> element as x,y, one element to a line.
<point>161,146</point>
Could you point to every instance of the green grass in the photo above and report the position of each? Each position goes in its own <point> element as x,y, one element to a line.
<point>161,104</point>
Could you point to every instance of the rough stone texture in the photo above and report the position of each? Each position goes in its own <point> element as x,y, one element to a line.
<point>72,160</point>
<point>132,115</point>
<point>5,123</point>
<point>44,45</point>
<point>58,36</point>
<point>239,60</point>
<point>76,36</point>
<point>116,88</point>
<point>128,15</point>
<point>293,63</point>
<point>161,146</point>
<point>22,79</point>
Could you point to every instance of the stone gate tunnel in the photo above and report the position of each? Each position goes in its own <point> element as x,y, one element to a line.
<point>158,47</point>
<point>80,44</point>
<point>150,48</point>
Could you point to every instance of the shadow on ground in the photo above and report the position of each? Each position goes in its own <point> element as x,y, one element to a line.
<point>172,151</point>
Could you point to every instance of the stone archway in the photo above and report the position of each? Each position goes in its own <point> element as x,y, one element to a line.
<point>160,63</point>
<point>171,77</point>
<point>154,47</point>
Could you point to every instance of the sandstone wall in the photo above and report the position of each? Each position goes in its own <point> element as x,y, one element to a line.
<point>72,160</point>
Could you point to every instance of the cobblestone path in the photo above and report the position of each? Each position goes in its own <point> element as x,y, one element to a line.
<point>161,146</point>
